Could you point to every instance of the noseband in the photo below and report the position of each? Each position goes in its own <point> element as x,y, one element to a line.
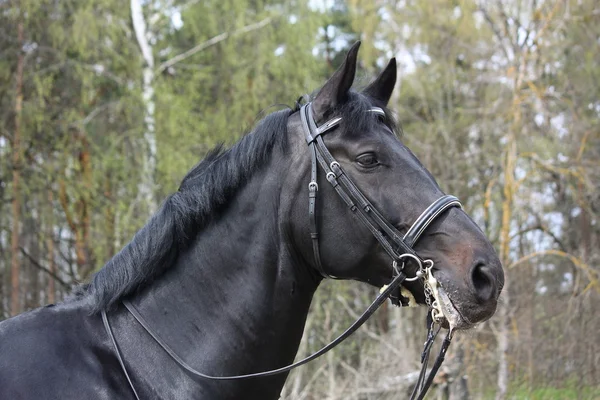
<point>398,246</point>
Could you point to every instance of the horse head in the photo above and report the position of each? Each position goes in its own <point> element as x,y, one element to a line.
<point>339,240</point>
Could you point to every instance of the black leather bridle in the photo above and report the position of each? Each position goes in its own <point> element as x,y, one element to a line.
<point>398,246</point>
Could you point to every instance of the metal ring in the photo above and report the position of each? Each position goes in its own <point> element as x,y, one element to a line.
<point>419,273</point>
<point>416,277</point>
<point>331,176</point>
<point>313,185</point>
<point>430,262</point>
<point>334,163</point>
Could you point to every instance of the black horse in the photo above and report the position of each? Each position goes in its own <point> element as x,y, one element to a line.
<point>225,271</point>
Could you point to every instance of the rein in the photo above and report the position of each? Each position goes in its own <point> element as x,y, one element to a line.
<point>398,246</point>
<point>379,300</point>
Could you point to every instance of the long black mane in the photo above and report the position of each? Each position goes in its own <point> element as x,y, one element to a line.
<point>202,195</point>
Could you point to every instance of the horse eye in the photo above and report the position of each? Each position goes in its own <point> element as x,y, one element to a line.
<point>367,160</point>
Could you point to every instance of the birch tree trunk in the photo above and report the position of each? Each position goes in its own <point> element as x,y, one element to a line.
<point>16,201</point>
<point>144,38</point>
<point>509,193</point>
<point>503,306</point>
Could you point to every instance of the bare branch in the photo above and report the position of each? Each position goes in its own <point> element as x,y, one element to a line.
<point>39,266</point>
<point>365,328</point>
<point>541,228</point>
<point>591,273</point>
<point>494,29</point>
<point>212,41</point>
<point>307,386</point>
<point>88,118</point>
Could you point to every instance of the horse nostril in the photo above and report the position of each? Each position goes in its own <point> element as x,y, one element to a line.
<point>484,282</point>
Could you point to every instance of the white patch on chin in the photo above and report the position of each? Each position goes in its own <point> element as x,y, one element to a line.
<point>452,315</point>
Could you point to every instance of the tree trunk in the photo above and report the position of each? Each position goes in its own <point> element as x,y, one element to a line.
<point>147,184</point>
<point>109,218</point>
<point>331,362</point>
<point>51,298</point>
<point>31,284</point>
<point>507,204</point>
<point>503,305</point>
<point>459,389</point>
<point>82,235</point>
<point>503,341</point>
<point>16,202</point>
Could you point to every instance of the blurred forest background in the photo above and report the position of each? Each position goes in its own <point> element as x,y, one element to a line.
<point>105,104</point>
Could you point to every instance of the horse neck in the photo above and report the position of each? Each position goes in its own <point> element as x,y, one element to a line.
<point>237,299</point>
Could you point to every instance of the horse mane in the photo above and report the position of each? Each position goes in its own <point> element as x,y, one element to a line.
<point>203,194</point>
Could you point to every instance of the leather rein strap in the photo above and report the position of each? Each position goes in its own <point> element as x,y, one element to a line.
<point>118,352</point>
<point>379,300</point>
<point>398,246</point>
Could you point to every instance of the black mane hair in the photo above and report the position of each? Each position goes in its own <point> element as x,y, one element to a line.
<point>203,193</point>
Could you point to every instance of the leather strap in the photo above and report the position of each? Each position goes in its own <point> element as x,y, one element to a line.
<point>388,236</point>
<point>313,189</point>
<point>379,300</point>
<point>118,352</point>
<point>421,390</point>
<point>393,242</point>
<point>396,245</point>
<point>427,217</point>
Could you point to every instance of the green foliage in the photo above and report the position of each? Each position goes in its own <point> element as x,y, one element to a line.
<point>218,93</point>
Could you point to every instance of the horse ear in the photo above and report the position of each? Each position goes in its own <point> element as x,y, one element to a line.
<point>335,90</point>
<point>381,89</point>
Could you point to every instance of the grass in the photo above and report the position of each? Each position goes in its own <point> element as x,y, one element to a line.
<point>565,393</point>
<point>569,391</point>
